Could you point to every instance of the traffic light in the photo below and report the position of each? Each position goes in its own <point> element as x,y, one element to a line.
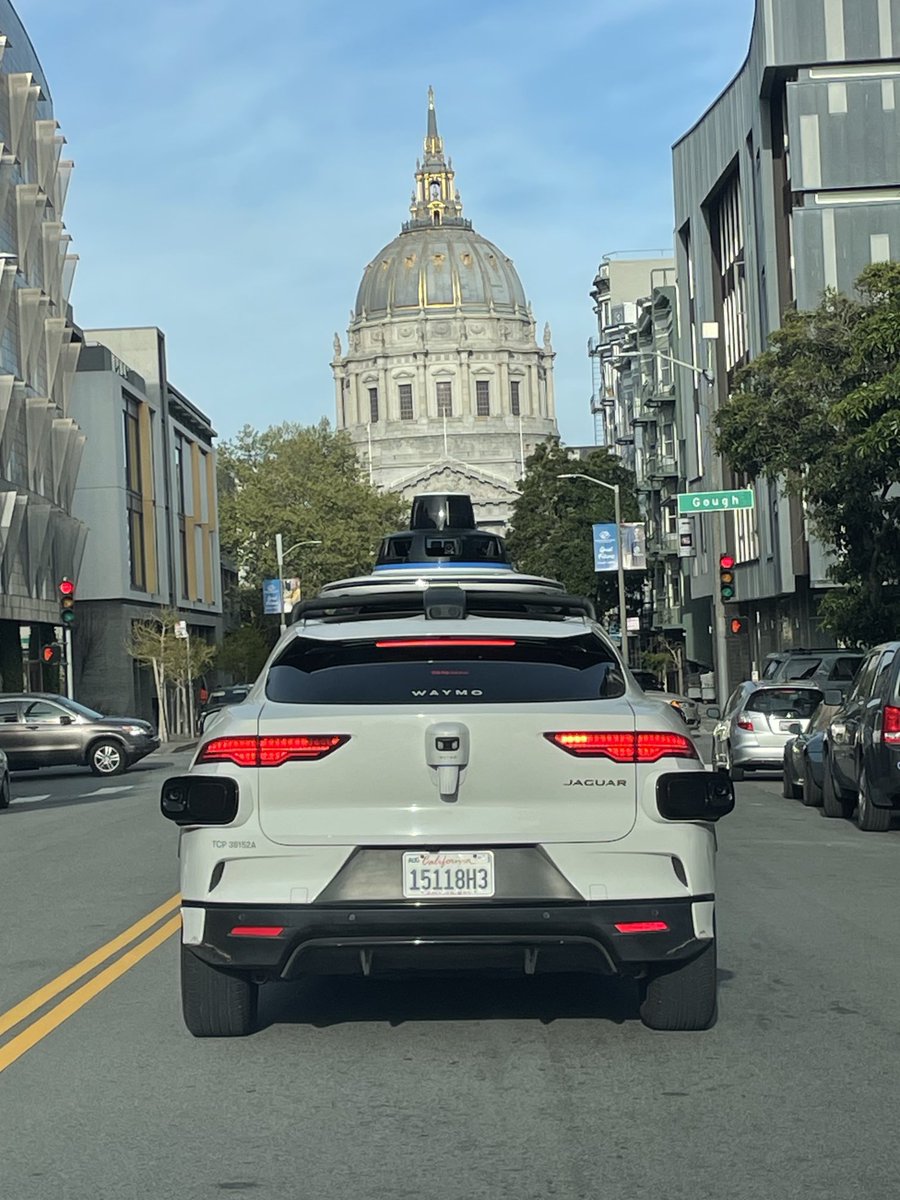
<point>51,654</point>
<point>66,602</point>
<point>726,577</point>
<point>738,626</point>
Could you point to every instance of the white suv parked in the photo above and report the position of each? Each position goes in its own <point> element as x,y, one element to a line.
<point>446,772</point>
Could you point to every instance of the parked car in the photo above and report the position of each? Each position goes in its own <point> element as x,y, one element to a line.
<point>5,791</point>
<point>44,730</point>
<point>802,778</point>
<point>648,681</point>
<point>686,708</point>
<point>220,698</point>
<point>758,719</point>
<point>830,668</point>
<point>861,768</point>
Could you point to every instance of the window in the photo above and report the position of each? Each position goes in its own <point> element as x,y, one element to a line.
<point>884,671</point>
<point>444,391</point>
<point>482,398</point>
<point>844,669</point>
<point>42,712</point>
<point>9,712</point>
<point>862,686</point>
<point>785,702</point>
<point>406,402</point>
<point>373,405</point>
<point>514,397</point>
<point>134,499</point>
<point>532,670</point>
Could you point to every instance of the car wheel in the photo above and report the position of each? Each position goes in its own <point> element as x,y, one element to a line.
<point>216,1003</point>
<point>683,997</point>
<point>5,793</point>
<point>812,793</point>
<point>833,802</point>
<point>870,818</point>
<point>736,773</point>
<point>789,789</point>
<point>107,758</point>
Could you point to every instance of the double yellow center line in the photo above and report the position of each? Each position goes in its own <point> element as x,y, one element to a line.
<point>43,1025</point>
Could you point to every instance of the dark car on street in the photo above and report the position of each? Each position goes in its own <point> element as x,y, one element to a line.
<point>220,698</point>
<point>861,769</point>
<point>825,668</point>
<point>802,779</point>
<point>45,730</point>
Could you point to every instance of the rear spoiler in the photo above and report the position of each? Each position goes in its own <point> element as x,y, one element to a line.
<point>444,603</point>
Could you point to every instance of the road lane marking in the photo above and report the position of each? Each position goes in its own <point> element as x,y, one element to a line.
<point>36,1032</point>
<point>39,998</point>
<point>107,791</point>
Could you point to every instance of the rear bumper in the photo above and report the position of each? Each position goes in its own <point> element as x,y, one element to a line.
<point>379,938</point>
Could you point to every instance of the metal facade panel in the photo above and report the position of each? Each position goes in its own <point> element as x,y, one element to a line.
<point>858,148</point>
<point>842,236</point>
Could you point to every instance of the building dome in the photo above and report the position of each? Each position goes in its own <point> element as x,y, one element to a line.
<point>440,266</point>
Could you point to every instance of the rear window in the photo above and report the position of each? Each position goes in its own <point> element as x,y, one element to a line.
<point>785,702</point>
<point>801,668</point>
<point>411,670</point>
<point>843,670</point>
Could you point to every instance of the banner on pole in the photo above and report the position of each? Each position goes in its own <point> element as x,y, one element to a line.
<point>606,548</point>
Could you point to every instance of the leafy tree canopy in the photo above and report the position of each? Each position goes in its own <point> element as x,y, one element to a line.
<point>552,521</point>
<point>306,483</point>
<point>820,410</point>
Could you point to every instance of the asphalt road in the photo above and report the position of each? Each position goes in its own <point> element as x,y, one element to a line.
<point>528,1089</point>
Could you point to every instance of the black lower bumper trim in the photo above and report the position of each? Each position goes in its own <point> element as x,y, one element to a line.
<point>375,938</point>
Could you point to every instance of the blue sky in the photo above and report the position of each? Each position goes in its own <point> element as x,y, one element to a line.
<point>238,164</point>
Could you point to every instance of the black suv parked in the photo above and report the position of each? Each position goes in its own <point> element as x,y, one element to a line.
<point>43,730</point>
<point>861,767</point>
<point>826,668</point>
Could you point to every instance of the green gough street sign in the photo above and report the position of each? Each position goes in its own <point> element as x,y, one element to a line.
<point>701,502</point>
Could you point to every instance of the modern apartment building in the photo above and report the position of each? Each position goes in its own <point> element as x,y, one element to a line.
<point>147,491</point>
<point>789,184</point>
<point>40,442</point>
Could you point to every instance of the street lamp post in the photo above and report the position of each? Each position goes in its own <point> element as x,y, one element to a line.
<point>281,554</point>
<point>620,557</point>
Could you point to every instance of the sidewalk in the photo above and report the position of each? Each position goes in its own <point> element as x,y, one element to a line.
<point>175,745</point>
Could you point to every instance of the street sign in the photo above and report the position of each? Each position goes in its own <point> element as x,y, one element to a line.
<point>606,548</point>
<point>181,629</point>
<point>701,502</point>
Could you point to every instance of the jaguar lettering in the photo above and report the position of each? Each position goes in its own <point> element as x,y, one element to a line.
<point>597,783</point>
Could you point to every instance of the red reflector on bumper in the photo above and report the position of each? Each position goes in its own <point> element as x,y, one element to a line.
<point>257,930</point>
<point>641,926</point>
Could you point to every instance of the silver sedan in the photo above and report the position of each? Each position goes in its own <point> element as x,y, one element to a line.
<point>759,719</point>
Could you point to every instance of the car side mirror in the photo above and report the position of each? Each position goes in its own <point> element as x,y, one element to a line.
<point>795,728</point>
<point>714,713</point>
<point>835,697</point>
<point>67,720</point>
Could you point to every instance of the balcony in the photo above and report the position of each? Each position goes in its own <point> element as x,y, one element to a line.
<point>663,545</point>
<point>668,618</point>
<point>660,465</point>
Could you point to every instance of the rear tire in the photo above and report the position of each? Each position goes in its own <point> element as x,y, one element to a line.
<point>215,1003</point>
<point>833,801</point>
<point>5,794</point>
<point>869,818</point>
<point>685,997</point>
<point>812,793</point>
<point>789,789</point>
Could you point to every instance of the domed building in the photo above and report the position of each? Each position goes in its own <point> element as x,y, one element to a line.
<point>443,386</point>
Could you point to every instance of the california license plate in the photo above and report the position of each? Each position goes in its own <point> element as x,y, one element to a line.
<point>450,874</point>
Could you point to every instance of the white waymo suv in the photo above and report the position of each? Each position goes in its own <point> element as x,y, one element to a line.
<point>443,770</point>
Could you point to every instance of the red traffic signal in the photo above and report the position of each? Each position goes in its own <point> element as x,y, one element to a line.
<point>737,626</point>
<point>66,589</point>
<point>51,655</point>
<point>726,577</point>
<point>726,562</point>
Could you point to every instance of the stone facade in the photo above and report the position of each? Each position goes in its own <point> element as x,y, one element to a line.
<point>443,384</point>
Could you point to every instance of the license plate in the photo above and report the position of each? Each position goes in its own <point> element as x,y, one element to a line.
<point>451,874</point>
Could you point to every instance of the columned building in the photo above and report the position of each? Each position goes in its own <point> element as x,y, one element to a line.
<point>40,444</point>
<point>443,385</point>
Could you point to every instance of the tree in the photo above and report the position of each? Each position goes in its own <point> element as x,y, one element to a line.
<point>305,483</point>
<point>243,652</point>
<point>552,521</point>
<point>173,661</point>
<point>820,411</point>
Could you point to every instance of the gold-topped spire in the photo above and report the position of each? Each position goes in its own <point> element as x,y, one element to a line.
<point>436,199</point>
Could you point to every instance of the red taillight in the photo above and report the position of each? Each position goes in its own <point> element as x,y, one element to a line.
<point>271,751</point>
<point>890,725</point>
<point>641,926</point>
<point>257,930</point>
<point>243,751</point>
<point>447,642</point>
<point>625,747</point>
<point>743,723</point>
